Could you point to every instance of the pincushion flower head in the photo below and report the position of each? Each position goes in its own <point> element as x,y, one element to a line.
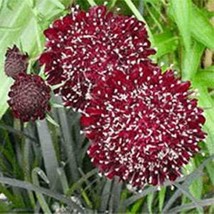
<point>143,125</point>
<point>15,62</point>
<point>84,47</point>
<point>29,97</point>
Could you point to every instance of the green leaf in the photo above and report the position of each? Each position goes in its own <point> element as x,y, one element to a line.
<point>48,153</point>
<point>16,132</point>
<point>187,181</point>
<point>51,120</point>
<point>37,172</point>
<point>196,186</point>
<point>86,199</point>
<point>112,3</point>
<point>92,2</point>
<point>1,4</point>
<point>203,203</point>
<point>5,207</point>
<point>154,14</point>
<point>105,196</point>
<point>83,179</point>
<point>136,197</point>
<point>63,179</point>
<point>181,11</point>
<point>10,196</point>
<point>21,18</point>
<point>31,187</point>
<point>8,29</point>
<point>207,103</point>
<point>150,199</point>
<point>205,77</point>
<point>136,206</point>
<point>186,192</point>
<point>201,28</point>
<point>68,142</point>
<point>161,196</point>
<point>191,60</point>
<point>210,170</point>
<point>115,195</point>
<point>58,4</point>
<point>165,43</point>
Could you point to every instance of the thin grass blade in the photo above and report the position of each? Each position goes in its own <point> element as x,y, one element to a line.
<point>201,28</point>
<point>191,60</point>
<point>41,199</point>
<point>105,196</point>
<point>28,186</point>
<point>48,154</point>
<point>186,192</point>
<point>207,103</point>
<point>203,203</point>
<point>68,144</point>
<point>161,197</point>
<point>115,195</point>
<point>182,15</point>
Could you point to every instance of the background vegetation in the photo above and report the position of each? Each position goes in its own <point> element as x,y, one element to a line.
<point>44,166</point>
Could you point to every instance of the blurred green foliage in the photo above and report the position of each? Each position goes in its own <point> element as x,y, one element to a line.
<point>44,165</point>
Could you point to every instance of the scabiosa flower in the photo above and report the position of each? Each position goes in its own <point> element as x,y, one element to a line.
<point>84,47</point>
<point>16,62</point>
<point>29,97</point>
<point>143,125</point>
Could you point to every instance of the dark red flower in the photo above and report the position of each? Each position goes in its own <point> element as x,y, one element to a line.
<point>84,47</point>
<point>29,97</point>
<point>16,62</point>
<point>143,125</point>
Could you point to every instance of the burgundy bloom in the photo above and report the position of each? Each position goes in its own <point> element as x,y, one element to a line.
<point>143,126</point>
<point>84,47</point>
<point>16,62</point>
<point>29,97</point>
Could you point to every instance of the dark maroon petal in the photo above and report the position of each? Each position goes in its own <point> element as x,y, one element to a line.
<point>84,47</point>
<point>142,125</point>
<point>46,58</point>
<point>51,34</point>
<point>29,97</point>
<point>16,62</point>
